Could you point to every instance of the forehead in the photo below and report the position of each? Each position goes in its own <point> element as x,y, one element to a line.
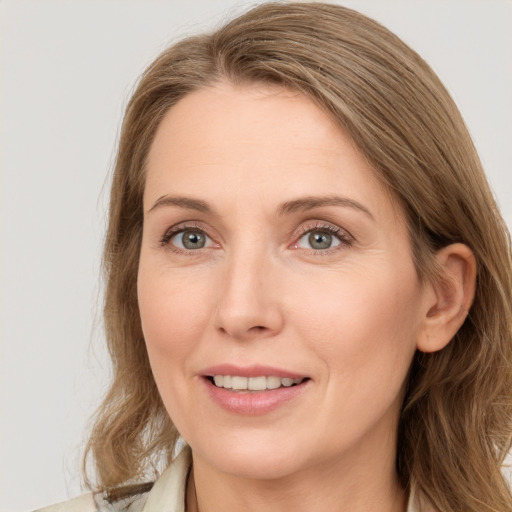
<point>227,120</point>
<point>255,142</point>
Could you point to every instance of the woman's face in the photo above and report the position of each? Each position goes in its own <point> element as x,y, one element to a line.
<point>272,256</point>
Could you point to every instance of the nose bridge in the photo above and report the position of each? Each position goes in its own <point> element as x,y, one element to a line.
<point>247,304</point>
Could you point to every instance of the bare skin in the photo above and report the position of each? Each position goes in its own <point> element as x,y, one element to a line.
<point>268,242</point>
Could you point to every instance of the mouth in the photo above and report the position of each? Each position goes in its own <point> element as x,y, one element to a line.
<point>241,384</point>
<point>254,390</point>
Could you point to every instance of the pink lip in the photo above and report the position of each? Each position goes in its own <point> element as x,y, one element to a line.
<point>250,371</point>
<point>253,403</point>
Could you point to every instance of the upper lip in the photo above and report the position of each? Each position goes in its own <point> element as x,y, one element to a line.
<point>255,370</point>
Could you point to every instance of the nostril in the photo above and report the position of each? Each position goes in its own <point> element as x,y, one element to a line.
<point>258,328</point>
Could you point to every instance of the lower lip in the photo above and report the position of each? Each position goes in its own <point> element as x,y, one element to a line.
<point>254,403</point>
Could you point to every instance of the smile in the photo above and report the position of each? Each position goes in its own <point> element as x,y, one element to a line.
<point>261,383</point>
<point>253,390</point>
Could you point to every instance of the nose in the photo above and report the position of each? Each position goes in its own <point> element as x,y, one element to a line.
<point>249,299</point>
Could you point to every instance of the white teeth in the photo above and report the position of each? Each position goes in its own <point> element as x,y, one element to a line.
<point>253,383</point>
<point>273,382</point>
<point>239,382</point>
<point>257,383</point>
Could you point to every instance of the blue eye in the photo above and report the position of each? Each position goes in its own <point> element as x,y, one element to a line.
<point>190,240</point>
<point>319,240</point>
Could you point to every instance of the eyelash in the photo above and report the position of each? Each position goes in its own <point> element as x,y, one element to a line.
<point>176,230</point>
<point>345,238</point>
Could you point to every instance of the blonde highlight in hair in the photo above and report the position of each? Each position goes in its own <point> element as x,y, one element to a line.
<point>455,424</point>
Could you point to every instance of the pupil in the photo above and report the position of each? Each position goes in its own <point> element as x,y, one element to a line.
<point>193,240</point>
<point>320,240</point>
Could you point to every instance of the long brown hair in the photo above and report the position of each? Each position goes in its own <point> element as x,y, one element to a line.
<point>455,424</point>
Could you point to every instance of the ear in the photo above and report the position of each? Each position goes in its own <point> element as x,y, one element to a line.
<point>448,299</point>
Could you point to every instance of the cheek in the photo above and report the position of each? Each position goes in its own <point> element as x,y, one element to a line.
<point>366,343</point>
<point>363,325</point>
<point>171,320</point>
<point>172,324</point>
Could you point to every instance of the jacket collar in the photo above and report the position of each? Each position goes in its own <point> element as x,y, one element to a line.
<point>168,493</point>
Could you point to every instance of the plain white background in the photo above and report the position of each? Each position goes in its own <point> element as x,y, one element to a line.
<point>66,71</point>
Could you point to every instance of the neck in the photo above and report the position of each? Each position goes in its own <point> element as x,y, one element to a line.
<point>341,486</point>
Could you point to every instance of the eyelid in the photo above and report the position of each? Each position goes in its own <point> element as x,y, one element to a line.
<point>344,236</point>
<point>340,233</point>
<point>182,227</point>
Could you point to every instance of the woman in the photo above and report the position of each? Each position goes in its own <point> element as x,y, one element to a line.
<point>308,280</point>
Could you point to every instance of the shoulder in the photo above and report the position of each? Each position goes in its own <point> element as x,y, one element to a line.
<point>83,503</point>
<point>126,499</point>
<point>418,502</point>
<point>167,493</point>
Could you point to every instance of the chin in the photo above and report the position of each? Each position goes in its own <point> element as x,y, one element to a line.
<point>252,459</point>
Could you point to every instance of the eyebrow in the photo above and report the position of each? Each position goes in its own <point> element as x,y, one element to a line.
<point>286,208</point>
<point>312,202</point>
<point>182,202</point>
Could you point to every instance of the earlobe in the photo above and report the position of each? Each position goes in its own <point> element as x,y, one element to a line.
<point>448,299</point>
